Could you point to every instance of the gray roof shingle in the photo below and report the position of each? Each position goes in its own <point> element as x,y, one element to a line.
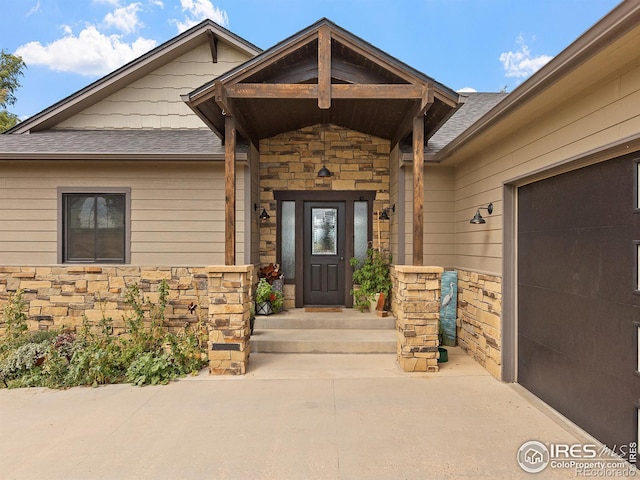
<point>475,106</point>
<point>188,143</point>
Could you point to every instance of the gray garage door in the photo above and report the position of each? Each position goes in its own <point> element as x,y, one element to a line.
<point>578,299</point>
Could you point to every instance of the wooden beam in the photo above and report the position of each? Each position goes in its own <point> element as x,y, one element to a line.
<point>230,191</point>
<point>377,91</point>
<point>272,90</point>
<point>228,108</point>
<point>295,90</point>
<point>213,46</point>
<point>324,68</point>
<point>418,189</point>
<point>419,108</point>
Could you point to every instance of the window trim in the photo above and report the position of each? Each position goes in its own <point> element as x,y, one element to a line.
<point>94,190</point>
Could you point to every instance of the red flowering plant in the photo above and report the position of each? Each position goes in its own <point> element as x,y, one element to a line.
<point>265,293</point>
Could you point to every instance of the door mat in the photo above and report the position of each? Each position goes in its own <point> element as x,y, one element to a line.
<point>323,309</point>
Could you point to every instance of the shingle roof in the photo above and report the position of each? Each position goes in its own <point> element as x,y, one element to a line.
<point>113,143</point>
<point>475,106</point>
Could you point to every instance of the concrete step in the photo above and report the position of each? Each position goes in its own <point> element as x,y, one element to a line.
<point>283,340</point>
<point>348,320</point>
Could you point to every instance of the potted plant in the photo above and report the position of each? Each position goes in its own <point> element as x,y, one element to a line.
<point>370,277</point>
<point>268,299</point>
<point>263,297</point>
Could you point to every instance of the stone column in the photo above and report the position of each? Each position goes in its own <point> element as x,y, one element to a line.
<point>416,303</point>
<point>229,322</point>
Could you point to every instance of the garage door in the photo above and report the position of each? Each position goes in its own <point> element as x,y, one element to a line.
<point>578,298</point>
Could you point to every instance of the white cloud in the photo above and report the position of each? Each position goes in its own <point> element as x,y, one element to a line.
<point>521,63</point>
<point>466,90</point>
<point>124,19</point>
<point>34,9</point>
<point>198,10</point>
<point>90,53</point>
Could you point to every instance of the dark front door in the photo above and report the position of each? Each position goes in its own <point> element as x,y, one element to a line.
<point>324,253</point>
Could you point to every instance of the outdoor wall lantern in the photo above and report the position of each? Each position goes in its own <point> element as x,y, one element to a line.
<point>324,172</point>
<point>384,215</point>
<point>477,218</point>
<point>263,215</point>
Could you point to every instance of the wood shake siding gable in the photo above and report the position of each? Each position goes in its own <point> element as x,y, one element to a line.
<point>177,209</point>
<point>154,100</point>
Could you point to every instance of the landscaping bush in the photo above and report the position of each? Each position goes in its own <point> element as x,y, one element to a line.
<point>147,353</point>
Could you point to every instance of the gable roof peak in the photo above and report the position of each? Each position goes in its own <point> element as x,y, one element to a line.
<point>130,72</point>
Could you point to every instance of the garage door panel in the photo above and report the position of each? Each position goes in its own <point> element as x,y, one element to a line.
<point>583,329</point>
<point>577,347</point>
<point>579,261</point>
<point>580,199</point>
<point>563,383</point>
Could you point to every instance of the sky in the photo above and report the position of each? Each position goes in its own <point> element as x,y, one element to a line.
<point>481,45</point>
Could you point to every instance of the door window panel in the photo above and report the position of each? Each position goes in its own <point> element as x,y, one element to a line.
<point>360,229</point>
<point>288,239</point>
<point>324,235</point>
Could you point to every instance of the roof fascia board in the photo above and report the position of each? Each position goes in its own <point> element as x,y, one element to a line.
<point>614,25</point>
<point>75,156</point>
<point>249,67</point>
<point>151,60</point>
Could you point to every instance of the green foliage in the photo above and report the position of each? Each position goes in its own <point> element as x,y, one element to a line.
<point>263,291</point>
<point>150,368</point>
<point>11,68</point>
<point>372,275</point>
<point>145,354</point>
<point>266,293</point>
<point>15,319</point>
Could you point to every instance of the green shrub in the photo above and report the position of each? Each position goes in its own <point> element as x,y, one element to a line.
<point>146,354</point>
<point>151,368</point>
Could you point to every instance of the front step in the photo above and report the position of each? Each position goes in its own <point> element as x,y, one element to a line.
<point>323,341</point>
<point>297,331</point>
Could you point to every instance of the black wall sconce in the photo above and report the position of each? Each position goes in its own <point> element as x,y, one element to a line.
<point>384,215</point>
<point>263,215</point>
<point>477,218</point>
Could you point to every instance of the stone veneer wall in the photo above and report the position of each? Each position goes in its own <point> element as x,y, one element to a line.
<point>479,318</point>
<point>62,296</point>
<point>415,301</point>
<point>290,161</point>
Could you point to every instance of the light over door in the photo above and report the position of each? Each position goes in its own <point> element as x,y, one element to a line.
<point>324,253</point>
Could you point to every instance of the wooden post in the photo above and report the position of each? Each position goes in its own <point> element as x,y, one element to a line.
<point>230,191</point>
<point>418,189</point>
<point>324,68</point>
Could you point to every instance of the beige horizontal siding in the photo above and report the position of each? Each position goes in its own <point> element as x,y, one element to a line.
<point>603,113</point>
<point>177,209</point>
<point>154,100</point>
<point>439,209</point>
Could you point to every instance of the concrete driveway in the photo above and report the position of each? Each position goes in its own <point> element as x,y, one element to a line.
<point>291,417</point>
